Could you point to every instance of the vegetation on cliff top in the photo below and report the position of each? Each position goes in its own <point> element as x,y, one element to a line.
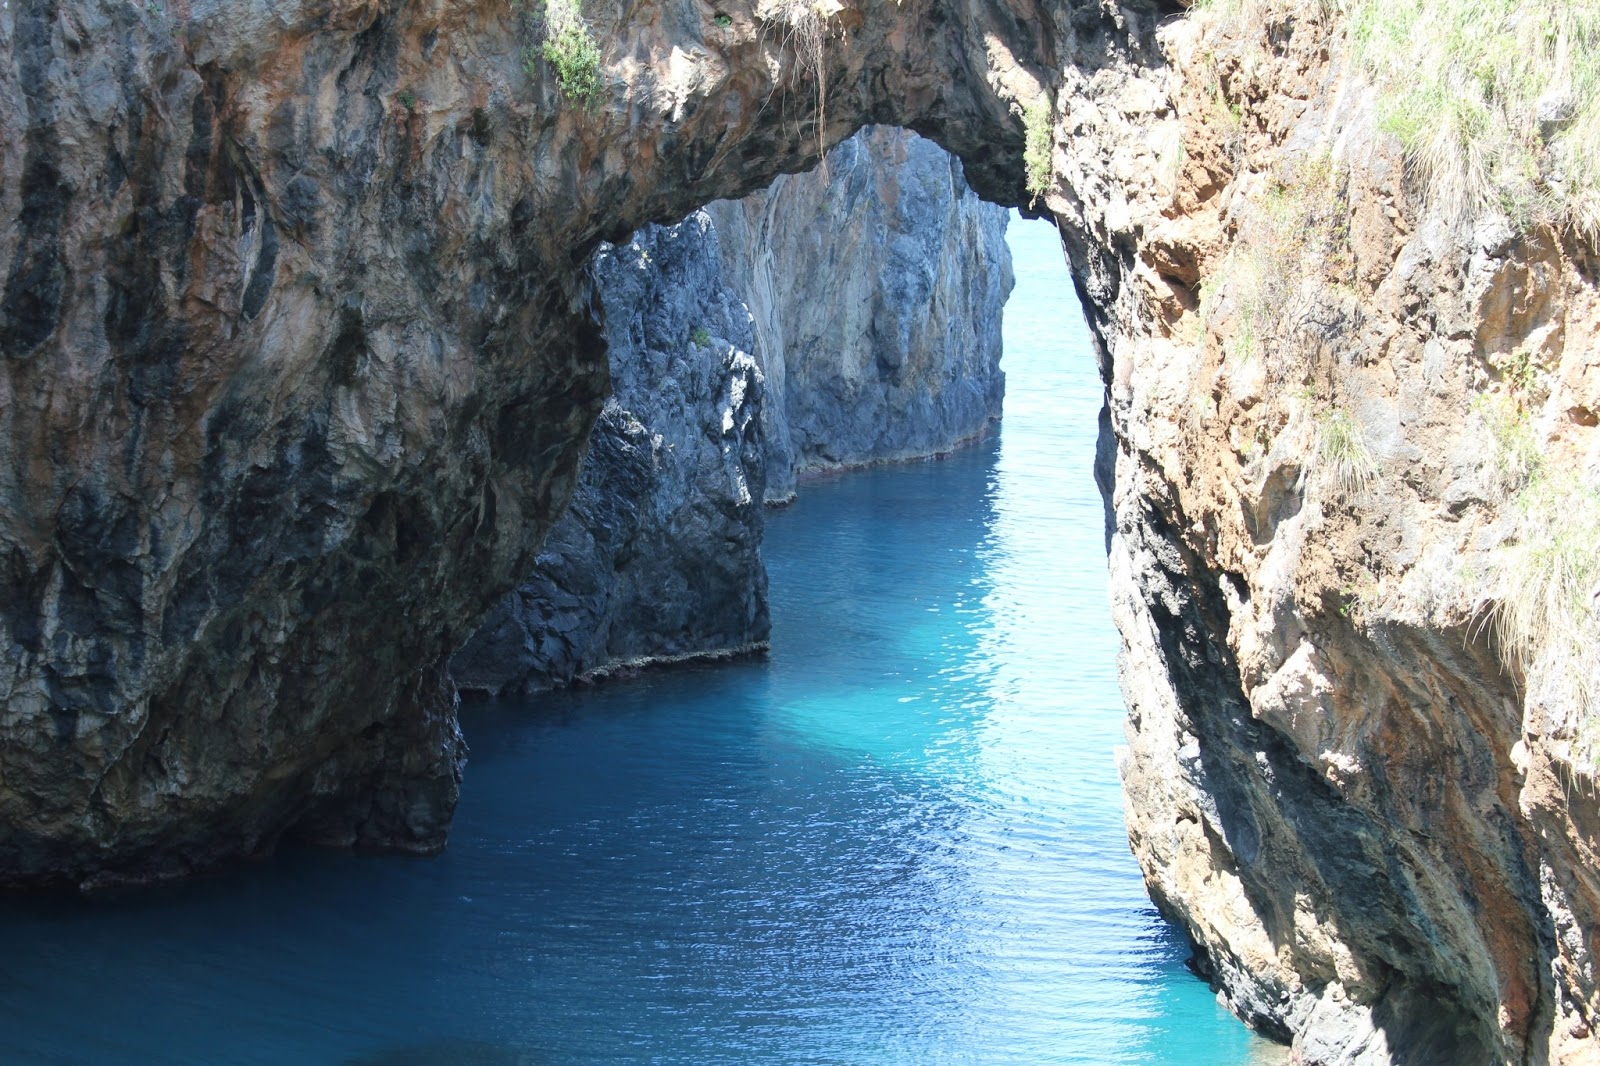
<point>1496,102</point>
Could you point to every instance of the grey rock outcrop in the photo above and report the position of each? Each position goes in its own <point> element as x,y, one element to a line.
<point>659,555</point>
<point>876,292</point>
<point>893,272</point>
<point>299,365</point>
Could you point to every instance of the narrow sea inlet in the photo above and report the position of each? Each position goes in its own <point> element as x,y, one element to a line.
<point>900,840</point>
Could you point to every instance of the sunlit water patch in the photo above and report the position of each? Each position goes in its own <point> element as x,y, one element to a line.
<point>900,840</point>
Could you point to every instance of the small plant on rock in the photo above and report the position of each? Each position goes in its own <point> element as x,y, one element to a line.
<point>1514,454</point>
<point>1036,147</point>
<point>570,49</point>
<point>1292,252</point>
<point>701,337</point>
<point>1543,586</point>
<point>1342,451</point>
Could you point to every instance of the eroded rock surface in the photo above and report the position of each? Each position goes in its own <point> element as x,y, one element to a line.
<point>298,366</point>
<point>876,286</point>
<point>658,556</point>
<point>1377,833</point>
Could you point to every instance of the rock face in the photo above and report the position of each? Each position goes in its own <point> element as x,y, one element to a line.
<point>876,287</point>
<point>298,366</point>
<point>1320,388</point>
<point>658,555</point>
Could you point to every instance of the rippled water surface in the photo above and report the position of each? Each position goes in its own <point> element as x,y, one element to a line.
<point>901,840</point>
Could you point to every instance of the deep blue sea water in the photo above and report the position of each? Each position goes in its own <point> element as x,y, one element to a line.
<point>899,841</point>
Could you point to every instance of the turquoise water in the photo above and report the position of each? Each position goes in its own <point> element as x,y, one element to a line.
<point>901,840</point>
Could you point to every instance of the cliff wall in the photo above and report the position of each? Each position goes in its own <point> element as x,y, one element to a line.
<point>658,556</point>
<point>1344,404</point>
<point>300,363</point>
<point>876,287</point>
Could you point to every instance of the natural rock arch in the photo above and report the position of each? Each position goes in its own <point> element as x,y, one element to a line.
<point>300,364</point>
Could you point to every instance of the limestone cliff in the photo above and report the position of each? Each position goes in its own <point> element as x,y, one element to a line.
<point>1327,391</point>
<point>298,366</point>
<point>658,556</point>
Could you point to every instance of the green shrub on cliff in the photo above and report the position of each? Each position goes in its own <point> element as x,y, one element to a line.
<point>1496,102</point>
<point>570,49</point>
<point>1036,147</point>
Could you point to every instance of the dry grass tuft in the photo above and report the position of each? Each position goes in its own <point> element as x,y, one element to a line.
<point>1496,102</point>
<point>1342,452</point>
